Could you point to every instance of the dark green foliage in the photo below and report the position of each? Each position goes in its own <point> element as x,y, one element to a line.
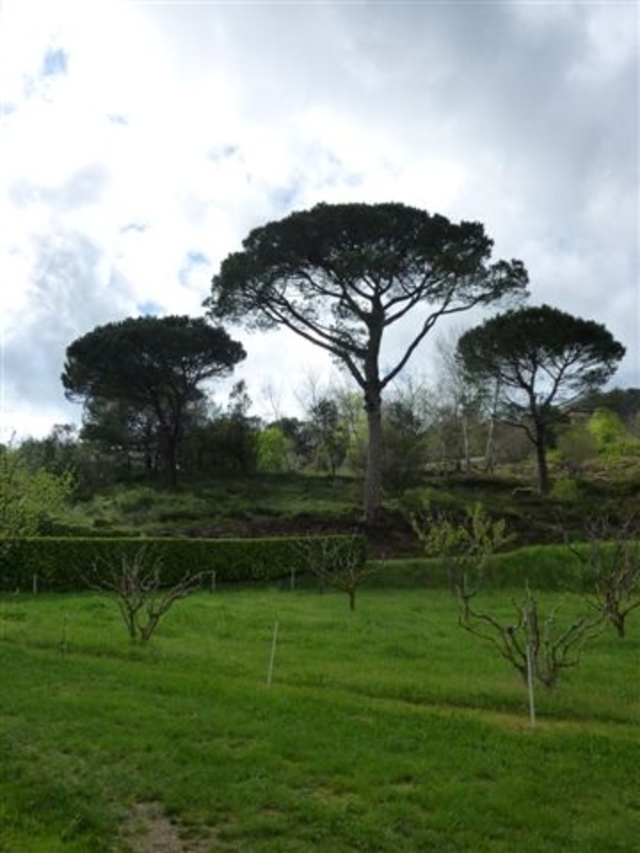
<point>625,402</point>
<point>66,564</point>
<point>328,435</point>
<point>340,275</point>
<point>548,567</point>
<point>139,377</point>
<point>540,358</point>
<point>405,445</point>
<point>225,446</point>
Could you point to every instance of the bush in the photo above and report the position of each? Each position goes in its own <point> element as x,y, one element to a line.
<point>62,564</point>
<point>565,489</point>
<point>547,567</point>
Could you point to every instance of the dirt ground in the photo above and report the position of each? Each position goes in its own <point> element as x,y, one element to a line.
<point>148,830</point>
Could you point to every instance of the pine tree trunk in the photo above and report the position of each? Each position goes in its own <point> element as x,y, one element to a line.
<point>541,458</point>
<point>373,476</point>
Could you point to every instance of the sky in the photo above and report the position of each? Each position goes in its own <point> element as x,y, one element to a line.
<point>140,143</point>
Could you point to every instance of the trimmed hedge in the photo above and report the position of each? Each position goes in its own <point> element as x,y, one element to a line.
<point>544,567</point>
<point>62,564</point>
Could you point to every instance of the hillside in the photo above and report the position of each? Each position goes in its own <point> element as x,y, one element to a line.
<point>289,504</point>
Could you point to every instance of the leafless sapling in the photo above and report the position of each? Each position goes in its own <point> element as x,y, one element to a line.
<point>337,562</point>
<point>535,645</point>
<point>612,559</point>
<point>135,584</point>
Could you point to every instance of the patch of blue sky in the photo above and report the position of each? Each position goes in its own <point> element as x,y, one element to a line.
<point>56,61</point>
<point>283,198</point>
<point>194,260</point>
<point>194,256</point>
<point>150,309</point>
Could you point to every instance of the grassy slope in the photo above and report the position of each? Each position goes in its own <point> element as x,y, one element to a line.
<point>292,503</point>
<point>383,730</point>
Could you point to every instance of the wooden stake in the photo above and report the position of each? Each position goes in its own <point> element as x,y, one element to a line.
<point>65,623</point>
<point>530,686</point>
<point>274,643</point>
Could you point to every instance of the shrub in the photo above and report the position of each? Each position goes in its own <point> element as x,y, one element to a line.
<point>565,489</point>
<point>61,563</point>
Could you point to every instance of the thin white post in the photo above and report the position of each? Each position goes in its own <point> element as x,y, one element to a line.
<point>274,643</point>
<point>530,686</point>
<point>65,632</point>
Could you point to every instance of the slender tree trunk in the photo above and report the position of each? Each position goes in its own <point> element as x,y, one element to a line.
<point>168,454</point>
<point>170,434</point>
<point>489,447</point>
<point>541,458</point>
<point>465,443</point>
<point>373,476</point>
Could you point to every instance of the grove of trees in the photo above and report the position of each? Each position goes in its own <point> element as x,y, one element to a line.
<point>341,277</point>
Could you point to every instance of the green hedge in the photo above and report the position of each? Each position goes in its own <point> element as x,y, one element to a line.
<point>544,567</point>
<point>62,564</point>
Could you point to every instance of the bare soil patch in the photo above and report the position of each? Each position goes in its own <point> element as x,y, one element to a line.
<point>147,829</point>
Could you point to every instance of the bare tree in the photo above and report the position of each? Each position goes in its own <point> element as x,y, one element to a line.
<point>272,396</point>
<point>612,559</point>
<point>337,562</point>
<point>459,403</point>
<point>135,584</point>
<point>536,646</point>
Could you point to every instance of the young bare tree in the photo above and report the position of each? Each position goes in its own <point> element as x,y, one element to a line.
<point>536,646</point>
<point>337,562</point>
<point>135,584</point>
<point>612,559</point>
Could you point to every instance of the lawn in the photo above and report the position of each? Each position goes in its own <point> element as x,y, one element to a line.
<point>388,728</point>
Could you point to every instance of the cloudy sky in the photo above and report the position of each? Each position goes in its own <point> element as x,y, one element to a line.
<point>140,142</point>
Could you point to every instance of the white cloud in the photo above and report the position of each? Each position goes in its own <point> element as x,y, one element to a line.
<point>140,142</point>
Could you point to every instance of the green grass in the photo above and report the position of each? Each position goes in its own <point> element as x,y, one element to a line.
<point>273,503</point>
<point>227,505</point>
<point>385,729</point>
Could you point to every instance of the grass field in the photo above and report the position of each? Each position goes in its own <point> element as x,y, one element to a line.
<point>383,730</point>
